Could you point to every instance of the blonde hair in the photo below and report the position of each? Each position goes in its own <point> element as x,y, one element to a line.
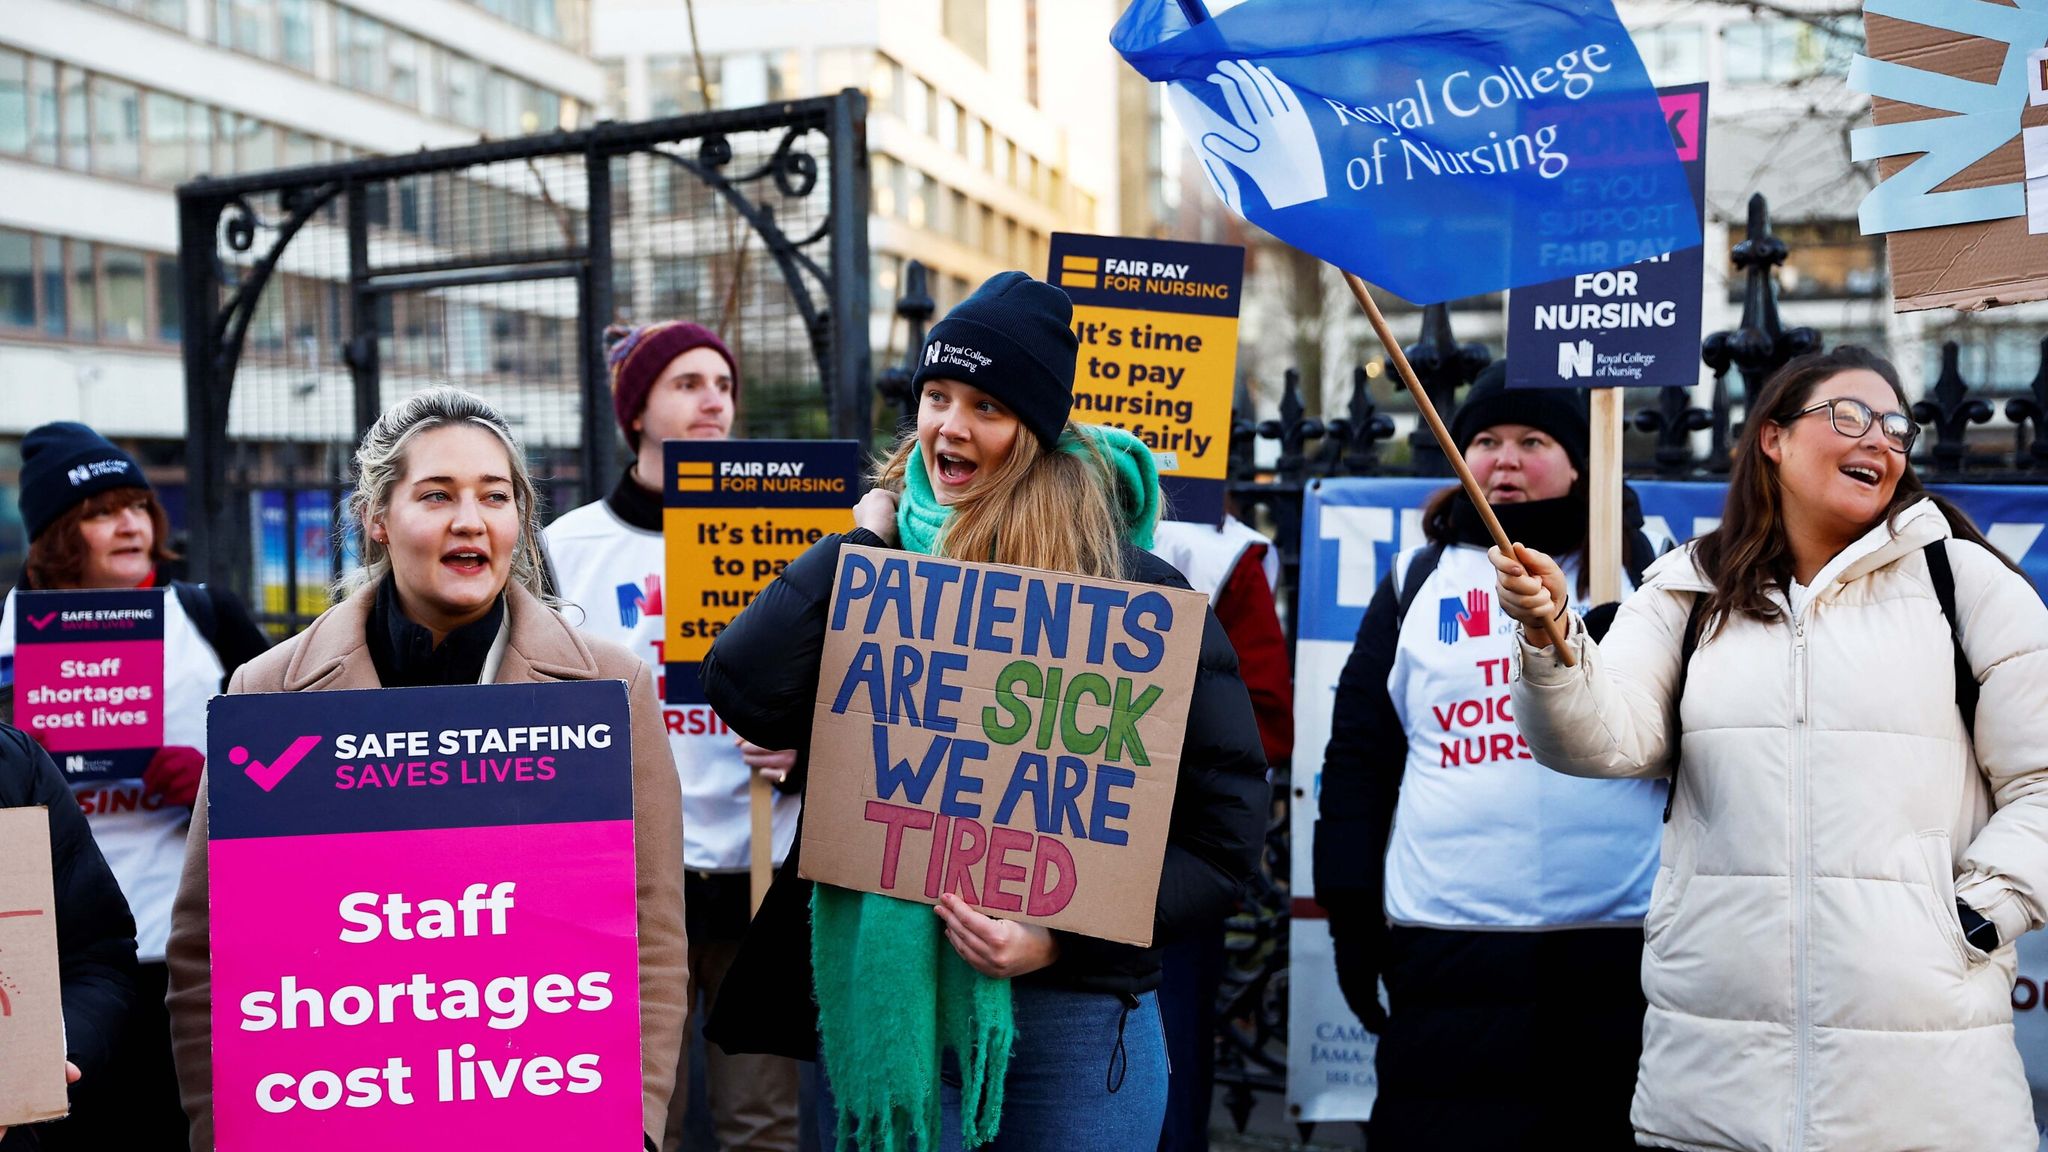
<point>381,464</point>
<point>1037,509</point>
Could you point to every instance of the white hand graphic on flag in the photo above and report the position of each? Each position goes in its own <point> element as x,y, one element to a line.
<point>1267,137</point>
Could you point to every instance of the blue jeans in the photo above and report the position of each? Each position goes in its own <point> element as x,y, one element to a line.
<point>1056,1097</point>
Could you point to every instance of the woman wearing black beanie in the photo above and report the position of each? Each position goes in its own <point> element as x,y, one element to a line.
<point>94,522</point>
<point>1501,903</point>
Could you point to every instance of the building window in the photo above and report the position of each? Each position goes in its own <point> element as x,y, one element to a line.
<point>77,129</point>
<point>947,121</point>
<point>295,33</point>
<point>615,103</point>
<point>170,301</point>
<point>674,88</point>
<point>124,285</point>
<point>169,13</point>
<point>14,103</point>
<point>885,87</point>
<point>1776,51</point>
<point>1674,53</point>
<point>402,68</point>
<point>882,190</point>
<point>52,270</point>
<point>914,202</point>
<point>42,110</point>
<point>166,157</point>
<point>246,26</point>
<point>80,300</point>
<point>465,94</point>
<point>977,142</point>
<point>17,280</point>
<point>359,49</point>
<point>117,128</point>
<point>965,23</point>
<point>1831,259</point>
<point>917,100</point>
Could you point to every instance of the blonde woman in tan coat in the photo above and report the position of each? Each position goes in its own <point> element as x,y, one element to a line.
<point>448,594</point>
<point>1859,830</point>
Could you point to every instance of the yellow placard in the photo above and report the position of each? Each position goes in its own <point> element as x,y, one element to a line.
<point>1166,377</point>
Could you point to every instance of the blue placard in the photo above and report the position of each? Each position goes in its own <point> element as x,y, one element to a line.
<point>1633,326</point>
<point>1154,275</point>
<point>405,759</point>
<point>760,473</point>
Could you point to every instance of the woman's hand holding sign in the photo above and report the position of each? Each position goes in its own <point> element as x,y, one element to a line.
<point>1001,949</point>
<point>1532,590</point>
<point>876,512</point>
<point>772,764</point>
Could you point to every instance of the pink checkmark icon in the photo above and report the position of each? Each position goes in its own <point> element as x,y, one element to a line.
<point>43,621</point>
<point>268,776</point>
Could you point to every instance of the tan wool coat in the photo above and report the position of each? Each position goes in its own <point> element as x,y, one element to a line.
<point>538,647</point>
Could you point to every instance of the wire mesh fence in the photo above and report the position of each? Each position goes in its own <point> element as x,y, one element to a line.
<point>331,292</point>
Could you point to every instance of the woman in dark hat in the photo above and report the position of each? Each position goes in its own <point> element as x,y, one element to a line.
<point>94,522</point>
<point>946,1028</point>
<point>1501,903</point>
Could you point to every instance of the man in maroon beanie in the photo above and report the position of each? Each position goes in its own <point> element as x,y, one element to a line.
<point>679,381</point>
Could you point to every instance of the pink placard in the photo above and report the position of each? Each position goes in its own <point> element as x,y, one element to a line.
<point>89,678</point>
<point>516,1025</point>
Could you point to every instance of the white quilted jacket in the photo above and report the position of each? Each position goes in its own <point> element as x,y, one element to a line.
<point>1808,981</point>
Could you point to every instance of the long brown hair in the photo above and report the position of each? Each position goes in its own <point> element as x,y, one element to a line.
<point>1749,555</point>
<point>57,557</point>
<point>1036,509</point>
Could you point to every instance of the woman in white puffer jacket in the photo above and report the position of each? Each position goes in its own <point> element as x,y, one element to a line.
<point>1828,954</point>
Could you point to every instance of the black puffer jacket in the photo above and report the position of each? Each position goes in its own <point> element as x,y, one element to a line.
<point>762,677</point>
<point>95,933</point>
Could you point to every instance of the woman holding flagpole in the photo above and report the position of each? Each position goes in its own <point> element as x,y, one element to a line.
<point>1850,688</point>
<point>1042,1039</point>
<point>1501,903</point>
<point>450,592</point>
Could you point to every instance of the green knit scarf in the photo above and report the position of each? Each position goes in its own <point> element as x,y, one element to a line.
<point>893,996</point>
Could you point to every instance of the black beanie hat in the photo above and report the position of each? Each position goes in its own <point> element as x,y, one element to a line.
<point>63,464</point>
<point>1561,412</point>
<point>1013,339</point>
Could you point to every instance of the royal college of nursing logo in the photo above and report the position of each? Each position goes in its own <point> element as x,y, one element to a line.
<point>939,352</point>
<point>87,471</point>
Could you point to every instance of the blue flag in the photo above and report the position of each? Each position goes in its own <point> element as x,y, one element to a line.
<point>1437,148</point>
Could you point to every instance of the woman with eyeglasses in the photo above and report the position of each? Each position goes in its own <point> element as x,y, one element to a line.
<point>1851,688</point>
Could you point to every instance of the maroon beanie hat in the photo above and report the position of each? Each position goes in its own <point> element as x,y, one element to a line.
<point>639,355</point>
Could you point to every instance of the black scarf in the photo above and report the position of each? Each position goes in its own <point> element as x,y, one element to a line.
<point>634,504</point>
<point>407,657</point>
<point>1555,526</point>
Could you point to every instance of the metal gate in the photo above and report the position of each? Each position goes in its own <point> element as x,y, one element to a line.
<point>317,296</point>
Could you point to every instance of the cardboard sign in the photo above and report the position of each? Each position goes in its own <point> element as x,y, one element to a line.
<point>1007,734</point>
<point>424,919</point>
<point>89,678</point>
<point>734,514</point>
<point>1634,326</point>
<point>1959,104</point>
<point>31,1005</point>
<point>1157,320</point>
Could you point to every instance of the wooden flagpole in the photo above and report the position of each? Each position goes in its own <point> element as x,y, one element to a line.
<point>1603,496</point>
<point>1554,628</point>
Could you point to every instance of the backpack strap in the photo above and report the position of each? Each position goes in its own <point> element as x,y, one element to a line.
<point>197,601</point>
<point>1687,645</point>
<point>1419,567</point>
<point>1642,553</point>
<point>1944,578</point>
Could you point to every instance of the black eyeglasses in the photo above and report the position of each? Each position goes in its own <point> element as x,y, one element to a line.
<point>1852,417</point>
